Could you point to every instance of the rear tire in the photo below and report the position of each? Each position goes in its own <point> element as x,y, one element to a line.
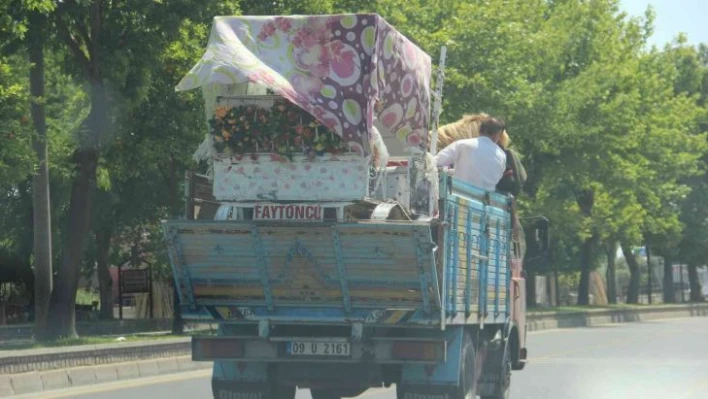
<point>468,380</point>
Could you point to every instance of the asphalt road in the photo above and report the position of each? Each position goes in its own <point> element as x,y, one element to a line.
<point>652,360</point>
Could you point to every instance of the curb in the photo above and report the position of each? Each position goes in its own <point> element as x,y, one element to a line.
<point>38,382</point>
<point>538,321</point>
<point>45,359</point>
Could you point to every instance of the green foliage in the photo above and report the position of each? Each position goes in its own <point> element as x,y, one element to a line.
<point>611,133</point>
<point>16,155</point>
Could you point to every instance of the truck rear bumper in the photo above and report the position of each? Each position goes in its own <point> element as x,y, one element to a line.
<point>328,350</point>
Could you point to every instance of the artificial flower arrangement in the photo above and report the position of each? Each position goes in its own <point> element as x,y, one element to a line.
<point>283,131</point>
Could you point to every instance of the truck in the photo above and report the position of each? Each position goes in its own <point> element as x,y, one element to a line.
<point>324,243</point>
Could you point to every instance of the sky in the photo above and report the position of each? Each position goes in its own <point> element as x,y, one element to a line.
<point>673,17</point>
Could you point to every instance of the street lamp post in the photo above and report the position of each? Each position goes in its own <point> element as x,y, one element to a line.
<point>650,273</point>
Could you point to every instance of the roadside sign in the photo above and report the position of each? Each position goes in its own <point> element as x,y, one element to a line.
<point>135,281</point>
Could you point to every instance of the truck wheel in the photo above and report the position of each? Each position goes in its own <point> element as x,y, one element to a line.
<point>468,382</point>
<point>503,389</point>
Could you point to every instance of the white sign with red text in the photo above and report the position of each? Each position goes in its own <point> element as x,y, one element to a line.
<point>288,212</point>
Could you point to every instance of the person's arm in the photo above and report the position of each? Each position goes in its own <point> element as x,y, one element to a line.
<point>447,156</point>
<point>509,182</point>
<point>501,168</point>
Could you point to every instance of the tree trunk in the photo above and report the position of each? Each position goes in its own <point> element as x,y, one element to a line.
<point>62,317</point>
<point>105,282</point>
<point>585,258</point>
<point>633,290</point>
<point>669,292</point>
<point>177,321</point>
<point>695,284</point>
<point>62,322</point>
<point>586,201</point>
<point>40,181</point>
<point>531,288</point>
<point>611,273</point>
<point>176,208</point>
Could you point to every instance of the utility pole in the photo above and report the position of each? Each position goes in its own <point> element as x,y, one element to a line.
<point>43,284</point>
<point>649,283</point>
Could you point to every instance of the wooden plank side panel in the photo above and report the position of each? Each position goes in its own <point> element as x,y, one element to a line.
<point>304,263</point>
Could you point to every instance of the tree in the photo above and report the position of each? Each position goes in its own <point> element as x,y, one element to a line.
<point>693,66</point>
<point>114,47</point>
<point>29,29</point>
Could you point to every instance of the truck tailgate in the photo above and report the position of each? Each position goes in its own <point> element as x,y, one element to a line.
<point>275,266</point>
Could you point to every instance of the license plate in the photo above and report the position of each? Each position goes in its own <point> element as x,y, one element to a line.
<point>334,349</point>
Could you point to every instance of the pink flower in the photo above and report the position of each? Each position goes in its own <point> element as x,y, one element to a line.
<point>319,70</point>
<point>306,84</point>
<point>267,31</point>
<point>283,24</point>
<point>336,47</point>
<point>305,38</point>
<point>414,139</point>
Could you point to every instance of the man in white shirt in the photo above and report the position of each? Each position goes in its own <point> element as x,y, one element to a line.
<point>478,161</point>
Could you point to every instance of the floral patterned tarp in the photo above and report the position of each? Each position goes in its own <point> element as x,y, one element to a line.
<point>343,69</point>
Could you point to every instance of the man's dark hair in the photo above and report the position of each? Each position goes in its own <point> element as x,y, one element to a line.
<point>491,126</point>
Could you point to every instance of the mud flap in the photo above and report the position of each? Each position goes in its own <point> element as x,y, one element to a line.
<point>446,373</point>
<point>492,358</point>
<point>235,380</point>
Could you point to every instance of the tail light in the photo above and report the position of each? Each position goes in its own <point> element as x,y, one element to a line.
<point>220,348</point>
<point>421,351</point>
